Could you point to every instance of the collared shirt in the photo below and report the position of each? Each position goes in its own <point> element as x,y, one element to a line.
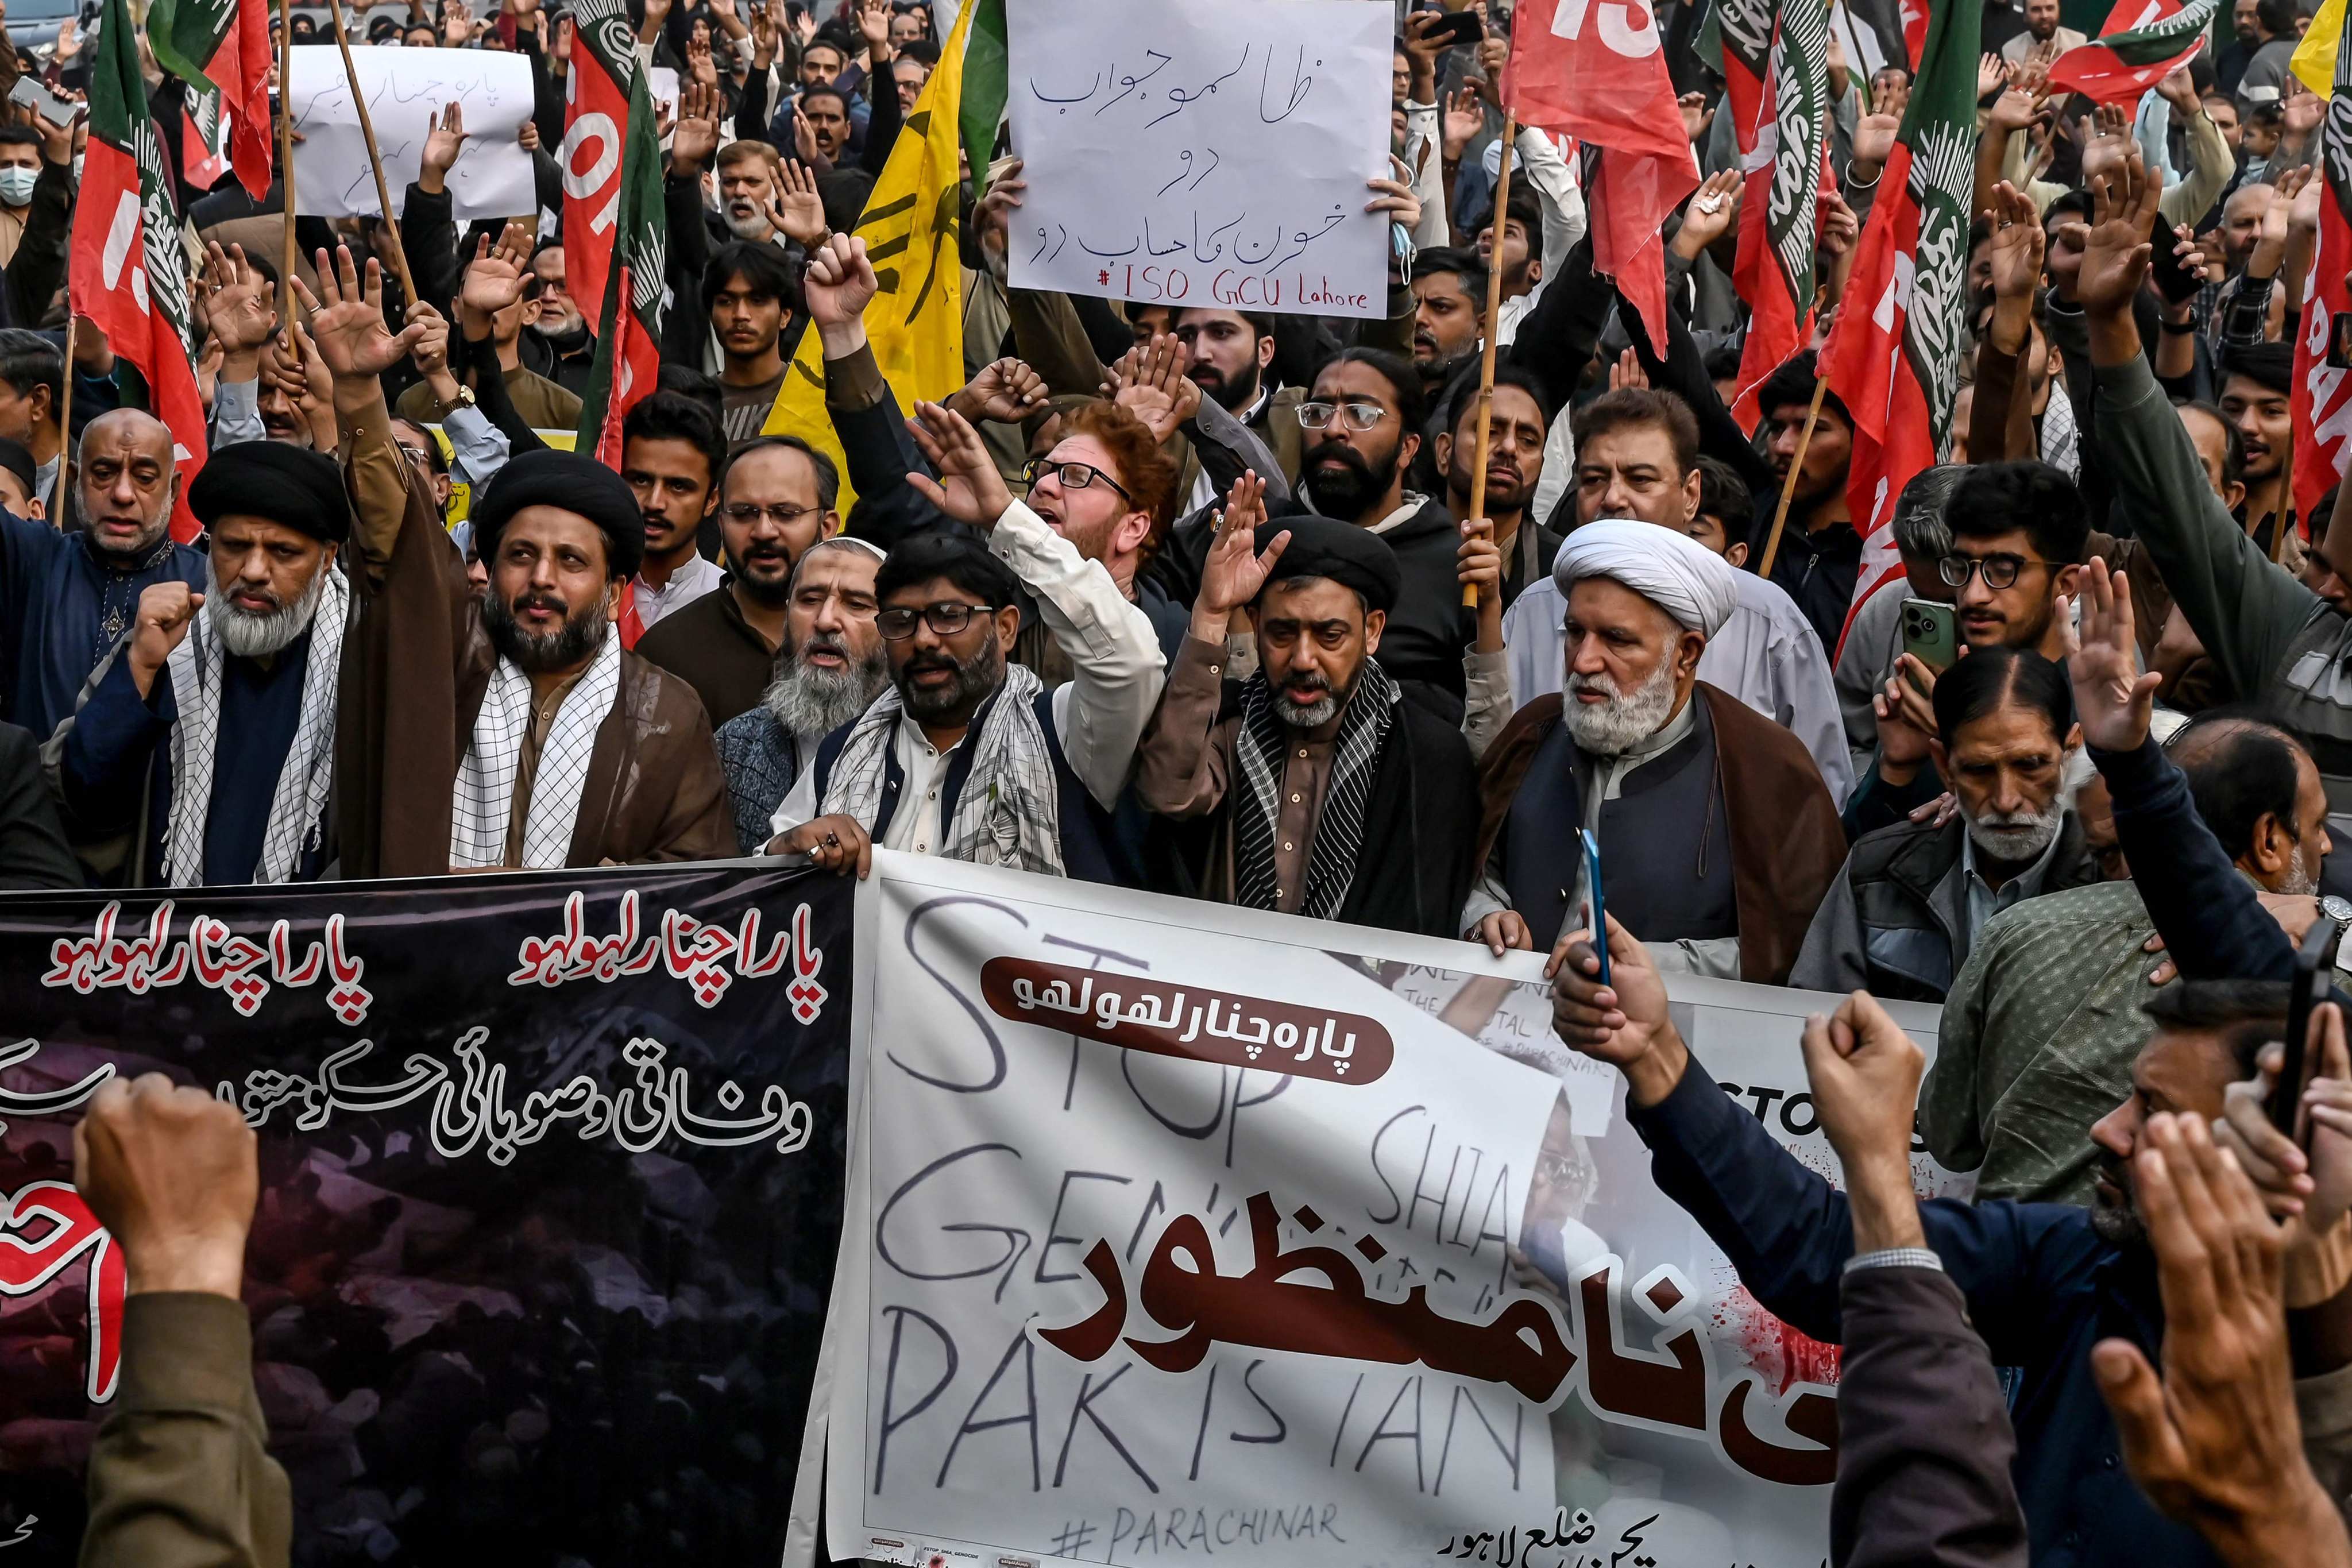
<point>1204,490</point>
<point>1765,655</point>
<point>915,826</point>
<point>1985,900</point>
<point>686,584</point>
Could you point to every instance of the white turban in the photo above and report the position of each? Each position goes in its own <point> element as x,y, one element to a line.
<point>1674,571</point>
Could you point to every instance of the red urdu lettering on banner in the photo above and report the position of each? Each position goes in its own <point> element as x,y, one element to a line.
<point>43,1228</point>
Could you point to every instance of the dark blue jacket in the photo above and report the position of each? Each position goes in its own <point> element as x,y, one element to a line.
<point>2041,1289</point>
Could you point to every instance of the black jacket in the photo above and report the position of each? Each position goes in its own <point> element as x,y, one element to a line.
<point>33,852</point>
<point>1429,629</point>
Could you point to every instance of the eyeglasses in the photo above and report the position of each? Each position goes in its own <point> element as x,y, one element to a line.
<point>1073,477</point>
<point>1999,571</point>
<point>748,515</point>
<point>417,455</point>
<point>1362,414</point>
<point>946,619</point>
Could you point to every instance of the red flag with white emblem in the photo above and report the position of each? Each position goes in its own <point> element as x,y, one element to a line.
<point>2322,396</point>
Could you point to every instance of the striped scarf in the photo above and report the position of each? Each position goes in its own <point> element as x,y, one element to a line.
<point>483,802</point>
<point>1339,827</point>
<point>298,809</point>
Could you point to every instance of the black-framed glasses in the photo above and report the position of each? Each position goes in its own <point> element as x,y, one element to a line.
<point>748,515</point>
<point>946,618</point>
<point>1362,414</point>
<point>1999,571</point>
<point>1073,476</point>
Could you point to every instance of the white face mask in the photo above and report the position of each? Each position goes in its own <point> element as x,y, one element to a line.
<point>17,185</point>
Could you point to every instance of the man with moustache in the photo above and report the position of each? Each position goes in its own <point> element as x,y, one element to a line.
<point>1362,424</point>
<point>1233,364</point>
<point>1515,454</point>
<point>559,344</point>
<point>747,187</point>
<point>749,292</point>
<point>775,501</point>
<point>508,730</point>
<point>1449,292</point>
<point>1637,455</point>
<point>671,452</point>
<point>967,755</point>
<point>1333,796</point>
<point>1820,553</point>
<point>2256,380</point>
<point>1716,836</point>
<point>70,598</point>
<point>829,666</point>
<point>214,725</point>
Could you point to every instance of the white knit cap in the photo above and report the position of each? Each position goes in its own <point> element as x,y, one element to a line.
<point>1674,571</point>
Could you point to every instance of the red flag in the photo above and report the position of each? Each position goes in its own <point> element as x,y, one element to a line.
<point>2144,42</point>
<point>1780,214</point>
<point>2322,389</point>
<point>227,43</point>
<point>1892,358</point>
<point>127,274</point>
<point>1594,69</point>
<point>595,133</point>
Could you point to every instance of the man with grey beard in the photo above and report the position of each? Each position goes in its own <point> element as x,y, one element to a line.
<point>828,670</point>
<point>1716,836</point>
<point>1913,897</point>
<point>214,721</point>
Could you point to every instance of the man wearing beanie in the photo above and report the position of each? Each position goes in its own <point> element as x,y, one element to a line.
<point>1717,835</point>
<point>512,730</point>
<point>1334,797</point>
<point>253,660</point>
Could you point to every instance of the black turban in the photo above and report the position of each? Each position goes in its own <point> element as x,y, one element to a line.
<point>293,486</point>
<point>569,482</point>
<point>1350,556</point>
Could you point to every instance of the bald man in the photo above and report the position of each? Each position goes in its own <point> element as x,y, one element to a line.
<point>66,599</point>
<point>1717,835</point>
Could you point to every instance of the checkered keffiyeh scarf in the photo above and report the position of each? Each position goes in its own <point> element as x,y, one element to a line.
<point>1339,826</point>
<point>1010,810</point>
<point>298,809</point>
<point>483,800</point>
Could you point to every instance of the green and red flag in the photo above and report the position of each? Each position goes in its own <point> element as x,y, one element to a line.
<point>603,91</point>
<point>2144,42</point>
<point>982,108</point>
<point>227,43</point>
<point>128,272</point>
<point>1892,358</point>
<point>1780,214</point>
<point>203,137</point>
<point>2321,396</point>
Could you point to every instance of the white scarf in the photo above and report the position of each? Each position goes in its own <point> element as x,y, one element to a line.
<point>298,809</point>
<point>1010,810</point>
<point>484,799</point>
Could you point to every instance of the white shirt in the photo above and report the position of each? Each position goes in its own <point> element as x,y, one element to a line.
<point>1117,671</point>
<point>686,584</point>
<point>1765,655</point>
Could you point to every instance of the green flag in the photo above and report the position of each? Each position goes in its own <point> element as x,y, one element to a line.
<point>984,89</point>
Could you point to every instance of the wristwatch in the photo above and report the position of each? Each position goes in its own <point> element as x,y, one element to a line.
<point>2335,907</point>
<point>464,399</point>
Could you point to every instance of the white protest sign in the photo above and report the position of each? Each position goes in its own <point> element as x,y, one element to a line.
<point>1176,1229</point>
<point>406,89</point>
<point>1209,153</point>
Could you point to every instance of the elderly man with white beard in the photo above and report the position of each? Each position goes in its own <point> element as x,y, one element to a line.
<point>1717,835</point>
<point>829,669</point>
<point>1913,896</point>
<point>213,722</point>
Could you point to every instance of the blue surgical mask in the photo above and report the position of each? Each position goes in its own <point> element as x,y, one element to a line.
<point>17,185</point>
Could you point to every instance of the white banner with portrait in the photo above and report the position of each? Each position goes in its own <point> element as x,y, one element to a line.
<point>1178,1229</point>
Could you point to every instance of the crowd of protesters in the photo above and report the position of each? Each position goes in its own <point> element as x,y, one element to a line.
<point>1196,602</point>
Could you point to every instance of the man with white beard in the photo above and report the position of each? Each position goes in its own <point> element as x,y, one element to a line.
<point>213,722</point>
<point>1717,835</point>
<point>828,670</point>
<point>1913,897</point>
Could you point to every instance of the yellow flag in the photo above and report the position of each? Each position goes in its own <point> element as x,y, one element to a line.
<point>2314,58</point>
<point>916,320</point>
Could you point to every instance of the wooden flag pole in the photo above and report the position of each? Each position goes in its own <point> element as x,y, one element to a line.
<point>1788,485</point>
<point>286,167</point>
<point>1486,356</point>
<point>375,159</point>
<point>58,510</point>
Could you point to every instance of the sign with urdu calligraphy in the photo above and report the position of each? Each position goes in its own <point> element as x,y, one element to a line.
<point>1288,1244</point>
<point>550,1172</point>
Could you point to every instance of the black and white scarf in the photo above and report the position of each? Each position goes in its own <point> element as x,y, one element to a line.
<point>1260,746</point>
<point>297,808</point>
<point>1009,812</point>
<point>484,799</point>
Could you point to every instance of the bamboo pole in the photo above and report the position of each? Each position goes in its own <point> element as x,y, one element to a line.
<point>1486,356</point>
<point>286,167</point>
<point>375,159</point>
<point>59,510</point>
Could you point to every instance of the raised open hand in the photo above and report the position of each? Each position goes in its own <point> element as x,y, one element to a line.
<point>2112,698</point>
<point>1234,571</point>
<point>240,307</point>
<point>2115,246</point>
<point>695,137</point>
<point>2016,244</point>
<point>443,142</point>
<point>347,318</point>
<point>494,279</point>
<point>969,487</point>
<point>796,210</point>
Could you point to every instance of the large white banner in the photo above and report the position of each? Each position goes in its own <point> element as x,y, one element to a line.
<point>1175,1229</point>
<point>406,89</point>
<point>1208,153</point>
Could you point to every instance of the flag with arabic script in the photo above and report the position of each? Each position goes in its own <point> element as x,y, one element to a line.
<point>1780,215</point>
<point>224,44</point>
<point>1892,358</point>
<point>2322,391</point>
<point>2144,42</point>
